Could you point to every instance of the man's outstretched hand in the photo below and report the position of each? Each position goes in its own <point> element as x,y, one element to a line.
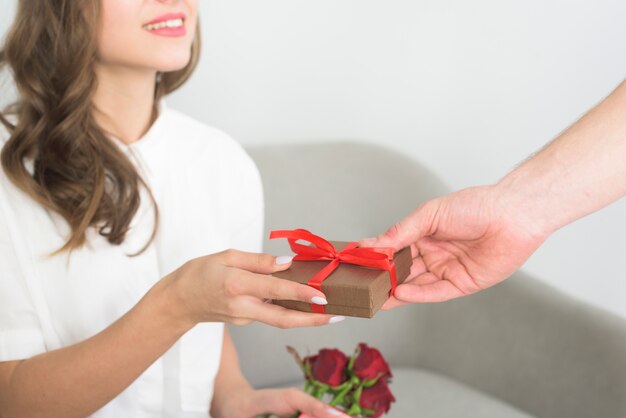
<point>470,240</point>
<point>461,243</point>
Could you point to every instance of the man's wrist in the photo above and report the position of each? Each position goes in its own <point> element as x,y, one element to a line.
<point>528,203</point>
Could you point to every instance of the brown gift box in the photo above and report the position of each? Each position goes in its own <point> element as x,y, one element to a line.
<point>351,290</point>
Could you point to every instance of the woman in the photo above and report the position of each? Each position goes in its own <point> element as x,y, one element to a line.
<point>103,191</point>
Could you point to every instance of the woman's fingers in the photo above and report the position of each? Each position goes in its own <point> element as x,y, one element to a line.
<point>313,408</point>
<point>280,317</point>
<point>284,402</point>
<point>255,262</point>
<point>263,287</point>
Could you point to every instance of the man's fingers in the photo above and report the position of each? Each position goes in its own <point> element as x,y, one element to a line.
<point>283,318</point>
<point>422,289</point>
<point>415,252</point>
<point>437,291</point>
<point>422,279</point>
<point>408,230</point>
<point>416,277</point>
<point>255,262</point>
<point>418,267</point>
<point>392,303</point>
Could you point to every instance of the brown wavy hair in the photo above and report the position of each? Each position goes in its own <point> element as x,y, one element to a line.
<point>77,170</point>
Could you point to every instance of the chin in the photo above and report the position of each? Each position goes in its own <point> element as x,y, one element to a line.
<point>173,64</point>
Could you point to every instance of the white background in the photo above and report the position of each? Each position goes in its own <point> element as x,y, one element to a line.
<point>470,88</point>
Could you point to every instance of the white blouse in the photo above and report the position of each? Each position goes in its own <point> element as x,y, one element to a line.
<point>209,197</point>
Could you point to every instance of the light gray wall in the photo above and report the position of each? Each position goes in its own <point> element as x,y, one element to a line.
<point>469,87</point>
<point>7,10</point>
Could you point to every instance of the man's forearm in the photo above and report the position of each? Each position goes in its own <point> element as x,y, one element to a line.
<point>581,171</point>
<point>77,380</point>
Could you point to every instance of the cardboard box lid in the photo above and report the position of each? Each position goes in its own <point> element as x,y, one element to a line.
<point>351,285</point>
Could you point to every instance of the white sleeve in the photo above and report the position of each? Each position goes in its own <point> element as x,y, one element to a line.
<point>20,332</point>
<point>246,203</point>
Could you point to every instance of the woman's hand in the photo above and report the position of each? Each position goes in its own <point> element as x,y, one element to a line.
<point>234,286</point>
<point>280,402</point>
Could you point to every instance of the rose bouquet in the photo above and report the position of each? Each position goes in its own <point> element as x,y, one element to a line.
<point>357,385</point>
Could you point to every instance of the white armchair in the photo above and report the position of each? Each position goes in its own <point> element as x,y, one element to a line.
<point>519,349</point>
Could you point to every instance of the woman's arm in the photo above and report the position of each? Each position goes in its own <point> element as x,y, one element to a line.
<point>233,397</point>
<point>230,385</point>
<point>80,379</point>
<point>77,380</point>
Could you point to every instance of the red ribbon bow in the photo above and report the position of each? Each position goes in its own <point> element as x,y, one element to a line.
<point>377,258</point>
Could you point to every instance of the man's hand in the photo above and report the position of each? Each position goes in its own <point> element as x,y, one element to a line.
<point>461,243</point>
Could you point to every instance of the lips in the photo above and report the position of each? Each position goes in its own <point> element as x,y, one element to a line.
<point>171,24</point>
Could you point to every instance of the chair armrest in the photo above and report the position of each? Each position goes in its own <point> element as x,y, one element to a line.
<point>533,347</point>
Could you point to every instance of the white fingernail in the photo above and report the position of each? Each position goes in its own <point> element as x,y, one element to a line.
<point>318,300</point>
<point>336,319</point>
<point>284,259</point>
<point>333,411</point>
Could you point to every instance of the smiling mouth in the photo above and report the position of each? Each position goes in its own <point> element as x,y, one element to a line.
<point>171,23</point>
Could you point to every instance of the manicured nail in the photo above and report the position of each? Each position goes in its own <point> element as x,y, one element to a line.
<point>336,319</point>
<point>284,259</point>
<point>335,412</point>
<point>318,300</point>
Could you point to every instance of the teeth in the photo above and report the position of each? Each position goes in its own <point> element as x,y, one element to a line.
<point>174,23</point>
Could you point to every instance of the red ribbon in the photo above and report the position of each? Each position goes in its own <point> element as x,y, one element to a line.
<point>377,258</point>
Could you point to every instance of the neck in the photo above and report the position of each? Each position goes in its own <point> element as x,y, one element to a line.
<point>124,102</point>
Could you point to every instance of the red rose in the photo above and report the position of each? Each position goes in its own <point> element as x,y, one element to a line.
<point>329,366</point>
<point>378,398</point>
<point>370,364</point>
